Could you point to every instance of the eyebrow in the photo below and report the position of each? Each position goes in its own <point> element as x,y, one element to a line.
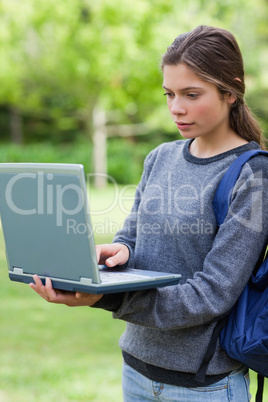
<point>183,89</point>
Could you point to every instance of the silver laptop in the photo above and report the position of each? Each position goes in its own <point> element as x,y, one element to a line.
<point>48,232</point>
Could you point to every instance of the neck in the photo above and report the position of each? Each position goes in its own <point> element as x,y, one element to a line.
<point>202,147</point>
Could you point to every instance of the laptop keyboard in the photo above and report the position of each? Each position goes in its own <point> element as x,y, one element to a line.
<point>107,276</point>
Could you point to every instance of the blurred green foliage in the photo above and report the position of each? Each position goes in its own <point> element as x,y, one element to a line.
<point>125,157</point>
<point>58,60</point>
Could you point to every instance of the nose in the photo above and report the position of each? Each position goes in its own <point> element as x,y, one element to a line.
<point>177,107</point>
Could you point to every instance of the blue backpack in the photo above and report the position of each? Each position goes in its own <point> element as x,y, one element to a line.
<point>244,331</point>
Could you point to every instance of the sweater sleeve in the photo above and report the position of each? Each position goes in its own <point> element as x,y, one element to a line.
<point>128,233</point>
<point>214,289</point>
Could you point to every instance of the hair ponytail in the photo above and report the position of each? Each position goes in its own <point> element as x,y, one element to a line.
<point>214,55</point>
<point>244,123</point>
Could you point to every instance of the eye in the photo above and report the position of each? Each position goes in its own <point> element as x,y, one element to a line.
<point>192,95</point>
<point>169,94</point>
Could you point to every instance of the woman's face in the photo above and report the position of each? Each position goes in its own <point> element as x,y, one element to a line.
<point>196,106</point>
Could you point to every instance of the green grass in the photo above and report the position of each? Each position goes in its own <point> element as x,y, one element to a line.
<point>55,353</point>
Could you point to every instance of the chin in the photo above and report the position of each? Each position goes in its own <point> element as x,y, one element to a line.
<point>187,136</point>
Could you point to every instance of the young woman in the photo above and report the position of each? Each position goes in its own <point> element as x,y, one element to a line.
<point>172,227</point>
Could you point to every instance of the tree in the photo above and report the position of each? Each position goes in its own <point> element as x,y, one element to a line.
<point>59,59</point>
<point>68,56</point>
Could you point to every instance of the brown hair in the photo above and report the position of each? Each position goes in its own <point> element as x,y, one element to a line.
<point>214,55</point>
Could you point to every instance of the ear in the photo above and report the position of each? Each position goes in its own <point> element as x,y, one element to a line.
<point>230,98</point>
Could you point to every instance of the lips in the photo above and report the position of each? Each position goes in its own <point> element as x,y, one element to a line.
<point>183,125</point>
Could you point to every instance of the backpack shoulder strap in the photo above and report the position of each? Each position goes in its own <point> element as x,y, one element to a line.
<point>220,205</point>
<point>223,194</point>
<point>260,387</point>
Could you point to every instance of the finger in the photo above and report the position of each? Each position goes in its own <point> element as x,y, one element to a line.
<point>37,285</point>
<point>80,295</point>
<point>119,258</point>
<point>103,251</point>
<point>46,291</point>
<point>111,262</point>
<point>50,291</point>
<point>37,281</point>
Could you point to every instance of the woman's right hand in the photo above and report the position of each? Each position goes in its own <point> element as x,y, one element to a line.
<point>112,254</point>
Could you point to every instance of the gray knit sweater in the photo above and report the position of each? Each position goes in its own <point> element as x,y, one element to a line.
<point>172,228</point>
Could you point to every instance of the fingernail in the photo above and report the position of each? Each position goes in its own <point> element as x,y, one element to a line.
<point>110,263</point>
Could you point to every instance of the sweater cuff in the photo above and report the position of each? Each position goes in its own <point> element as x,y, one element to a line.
<point>110,302</point>
<point>130,261</point>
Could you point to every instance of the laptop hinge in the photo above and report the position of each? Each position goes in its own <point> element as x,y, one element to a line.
<point>17,271</point>
<point>85,281</point>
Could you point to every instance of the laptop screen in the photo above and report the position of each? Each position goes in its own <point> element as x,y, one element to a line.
<point>45,208</point>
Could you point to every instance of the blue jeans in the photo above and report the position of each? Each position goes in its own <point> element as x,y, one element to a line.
<point>233,388</point>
